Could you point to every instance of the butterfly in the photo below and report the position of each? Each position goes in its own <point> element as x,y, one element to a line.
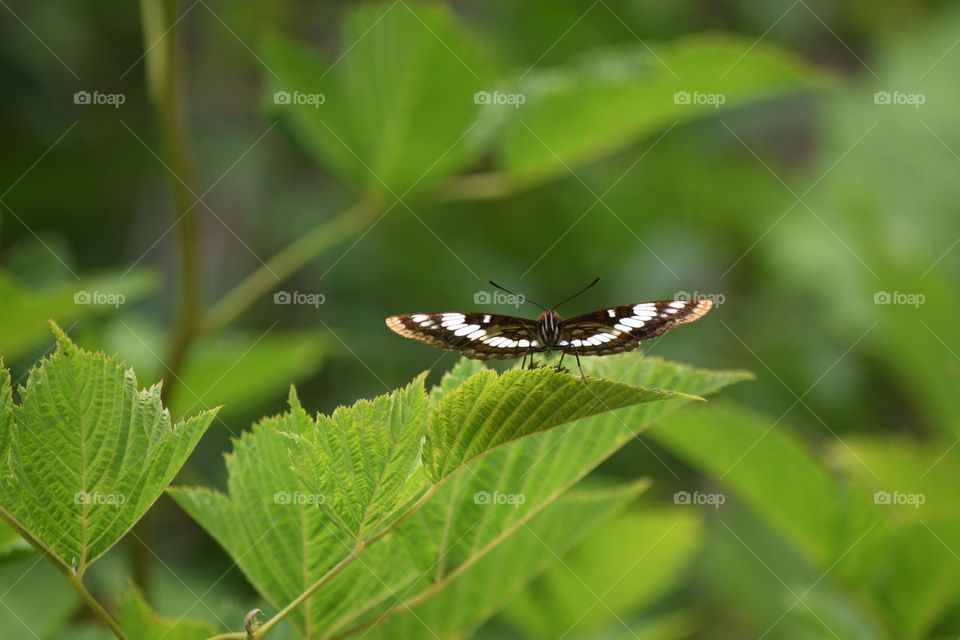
<point>487,336</point>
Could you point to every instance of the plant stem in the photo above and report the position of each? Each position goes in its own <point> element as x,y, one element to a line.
<point>95,606</point>
<point>478,186</point>
<point>291,258</point>
<point>165,87</point>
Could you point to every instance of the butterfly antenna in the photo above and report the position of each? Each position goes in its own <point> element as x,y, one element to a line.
<point>524,298</point>
<point>595,281</point>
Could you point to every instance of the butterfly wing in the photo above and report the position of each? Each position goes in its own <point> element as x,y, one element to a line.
<point>480,336</point>
<point>620,329</point>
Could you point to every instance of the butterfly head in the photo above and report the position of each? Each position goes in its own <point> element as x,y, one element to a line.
<point>549,324</point>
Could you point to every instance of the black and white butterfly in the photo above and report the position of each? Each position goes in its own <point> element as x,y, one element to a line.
<point>486,336</point>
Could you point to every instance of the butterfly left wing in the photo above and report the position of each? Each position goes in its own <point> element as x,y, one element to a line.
<point>620,329</point>
<point>480,336</point>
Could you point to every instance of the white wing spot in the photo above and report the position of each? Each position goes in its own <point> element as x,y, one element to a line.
<point>632,322</point>
<point>487,318</point>
<point>523,343</point>
<point>622,327</point>
<point>420,317</point>
<point>611,313</point>
<point>679,304</point>
<point>462,331</point>
<point>479,333</point>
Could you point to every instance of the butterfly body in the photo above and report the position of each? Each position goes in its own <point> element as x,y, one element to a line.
<point>485,336</point>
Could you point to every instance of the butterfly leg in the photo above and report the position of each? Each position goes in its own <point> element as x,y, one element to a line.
<point>575,353</point>
<point>523,363</point>
<point>561,360</point>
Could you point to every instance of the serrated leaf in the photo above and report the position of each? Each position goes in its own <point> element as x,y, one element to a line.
<point>383,123</point>
<point>463,369</point>
<point>270,522</point>
<point>454,528</point>
<point>489,410</point>
<point>139,622</point>
<point>283,549</point>
<point>86,453</point>
<point>360,458</point>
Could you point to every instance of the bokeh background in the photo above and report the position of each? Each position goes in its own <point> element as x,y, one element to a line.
<point>817,205</point>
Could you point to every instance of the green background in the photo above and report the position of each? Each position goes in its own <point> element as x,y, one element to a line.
<point>795,205</point>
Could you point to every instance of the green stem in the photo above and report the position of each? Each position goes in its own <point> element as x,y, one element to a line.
<point>164,80</point>
<point>478,186</point>
<point>75,579</point>
<point>291,258</point>
<point>343,564</point>
<point>96,606</point>
<point>165,87</point>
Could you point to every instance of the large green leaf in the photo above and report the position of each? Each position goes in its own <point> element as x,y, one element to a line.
<point>615,96</point>
<point>86,453</point>
<point>270,521</point>
<point>360,458</point>
<point>26,310</point>
<point>284,548</point>
<point>398,101</point>
<point>490,410</point>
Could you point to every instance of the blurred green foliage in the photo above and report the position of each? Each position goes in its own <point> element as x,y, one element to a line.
<point>801,200</point>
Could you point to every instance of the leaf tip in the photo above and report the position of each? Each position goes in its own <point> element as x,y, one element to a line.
<point>63,340</point>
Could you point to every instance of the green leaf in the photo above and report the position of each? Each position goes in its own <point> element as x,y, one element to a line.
<point>463,369</point>
<point>616,96</point>
<point>455,529</point>
<point>489,410</point>
<point>360,458</point>
<point>286,546</point>
<point>470,595</point>
<point>138,621</point>
<point>86,453</point>
<point>270,522</point>
<point>26,310</point>
<point>613,573</point>
<point>398,101</point>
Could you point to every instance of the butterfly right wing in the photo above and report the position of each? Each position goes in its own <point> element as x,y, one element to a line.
<point>480,336</point>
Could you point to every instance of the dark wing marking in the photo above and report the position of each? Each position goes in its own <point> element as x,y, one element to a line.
<point>481,336</point>
<point>621,329</point>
